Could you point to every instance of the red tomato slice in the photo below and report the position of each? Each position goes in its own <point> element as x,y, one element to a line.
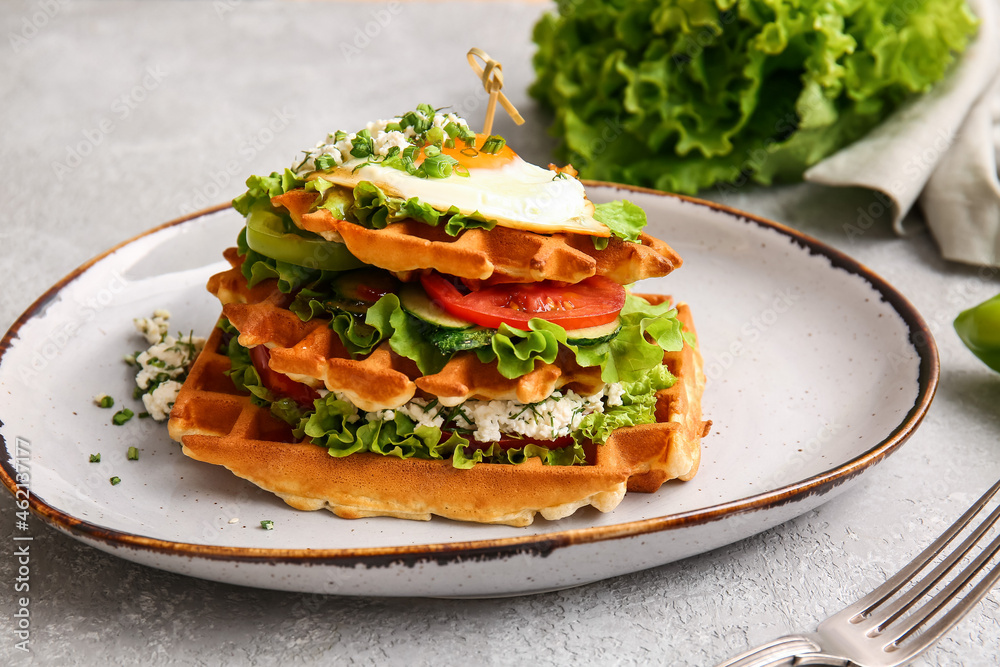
<point>279,383</point>
<point>588,303</point>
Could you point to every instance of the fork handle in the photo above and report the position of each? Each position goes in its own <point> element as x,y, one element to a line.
<point>781,652</point>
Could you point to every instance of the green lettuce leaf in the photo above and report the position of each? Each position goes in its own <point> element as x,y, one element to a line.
<point>516,351</point>
<point>647,332</point>
<point>623,218</point>
<point>458,223</point>
<point>466,456</point>
<point>358,337</point>
<point>260,189</point>
<point>375,209</point>
<point>638,406</point>
<point>333,424</point>
<point>684,95</point>
<point>372,207</point>
<point>241,369</point>
<point>401,438</point>
<point>406,334</point>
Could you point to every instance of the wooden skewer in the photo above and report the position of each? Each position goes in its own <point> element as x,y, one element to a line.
<point>491,74</point>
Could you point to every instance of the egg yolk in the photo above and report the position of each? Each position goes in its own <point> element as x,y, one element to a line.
<point>473,158</point>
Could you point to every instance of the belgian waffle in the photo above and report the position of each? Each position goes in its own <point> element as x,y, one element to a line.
<point>216,424</point>
<point>501,253</point>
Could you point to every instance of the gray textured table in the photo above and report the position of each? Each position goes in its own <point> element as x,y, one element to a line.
<point>119,116</point>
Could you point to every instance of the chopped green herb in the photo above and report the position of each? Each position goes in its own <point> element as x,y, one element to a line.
<point>143,415</point>
<point>493,144</point>
<point>104,401</point>
<point>133,454</point>
<point>267,524</point>
<point>95,458</point>
<point>122,416</point>
<point>115,481</point>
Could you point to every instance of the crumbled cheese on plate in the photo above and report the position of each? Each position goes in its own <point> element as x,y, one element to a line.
<point>165,364</point>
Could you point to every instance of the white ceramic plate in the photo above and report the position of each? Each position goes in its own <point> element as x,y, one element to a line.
<point>817,370</point>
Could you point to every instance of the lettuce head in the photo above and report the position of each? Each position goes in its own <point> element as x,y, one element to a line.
<point>684,94</point>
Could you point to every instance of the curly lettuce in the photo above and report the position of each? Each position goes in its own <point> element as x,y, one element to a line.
<point>343,429</point>
<point>338,426</point>
<point>684,95</point>
<point>647,332</point>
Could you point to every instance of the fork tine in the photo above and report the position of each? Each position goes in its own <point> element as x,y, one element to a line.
<point>901,632</point>
<point>899,607</point>
<point>864,607</point>
<point>864,632</point>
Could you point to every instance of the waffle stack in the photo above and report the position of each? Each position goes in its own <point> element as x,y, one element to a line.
<point>506,337</point>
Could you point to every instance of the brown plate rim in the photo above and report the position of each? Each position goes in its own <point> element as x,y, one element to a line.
<point>919,336</point>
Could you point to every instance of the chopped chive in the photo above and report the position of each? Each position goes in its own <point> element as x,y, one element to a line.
<point>493,144</point>
<point>143,415</point>
<point>122,416</point>
<point>95,458</point>
<point>324,162</point>
<point>133,454</point>
<point>267,524</point>
<point>435,136</point>
<point>137,393</point>
<point>115,481</point>
<point>104,401</point>
<point>437,165</point>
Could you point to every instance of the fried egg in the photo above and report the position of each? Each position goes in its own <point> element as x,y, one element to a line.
<point>499,186</point>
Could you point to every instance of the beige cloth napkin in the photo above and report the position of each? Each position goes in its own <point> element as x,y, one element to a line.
<point>940,148</point>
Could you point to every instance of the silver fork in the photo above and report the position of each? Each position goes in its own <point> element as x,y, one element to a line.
<point>889,626</point>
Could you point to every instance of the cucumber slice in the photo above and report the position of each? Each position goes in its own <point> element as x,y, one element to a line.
<point>602,333</point>
<point>449,341</point>
<point>415,301</point>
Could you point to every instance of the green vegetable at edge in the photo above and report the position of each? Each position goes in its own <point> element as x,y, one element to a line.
<point>266,234</point>
<point>979,329</point>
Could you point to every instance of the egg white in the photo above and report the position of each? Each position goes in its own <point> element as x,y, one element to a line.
<point>518,195</point>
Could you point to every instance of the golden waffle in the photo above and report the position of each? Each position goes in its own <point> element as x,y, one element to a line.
<point>311,352</point>
<point>217,425</point>
<point>502,253</point>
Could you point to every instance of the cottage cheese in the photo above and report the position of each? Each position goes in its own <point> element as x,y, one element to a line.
<point>165,364</point>
<point>153,328</point>
<point>159,402</point>
<point>384,140</point>
<point>556,417</point>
